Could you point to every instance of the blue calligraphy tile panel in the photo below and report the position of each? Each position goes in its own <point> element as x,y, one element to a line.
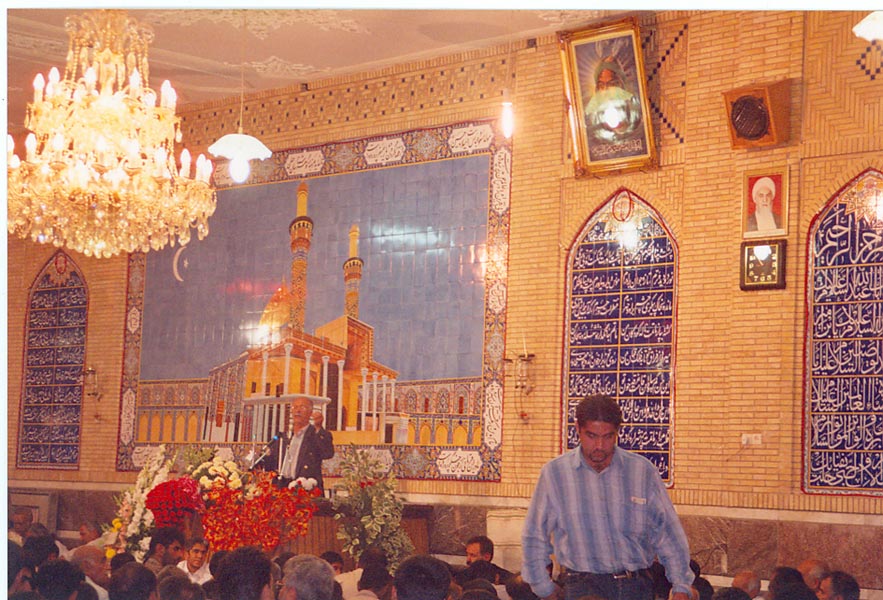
<point>621,303</point>
<point>843,409</point>
<point>49,435</point>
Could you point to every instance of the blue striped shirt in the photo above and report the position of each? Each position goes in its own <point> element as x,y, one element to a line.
<point>608,522</point>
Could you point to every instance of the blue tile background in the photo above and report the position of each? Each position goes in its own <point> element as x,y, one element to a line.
<point>423,237</point>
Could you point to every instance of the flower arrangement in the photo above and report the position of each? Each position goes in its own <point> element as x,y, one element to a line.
<point>369,512</point>
<point>257,514</point>
<point>174,500</point>
<point>135,521</point>
<point>238,508</point>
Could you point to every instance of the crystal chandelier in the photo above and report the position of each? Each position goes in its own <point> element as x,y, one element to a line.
<point>99,176</point>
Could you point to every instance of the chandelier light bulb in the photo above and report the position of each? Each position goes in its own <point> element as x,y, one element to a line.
<point>239,169</point>
<point>507,118</point>
<point>99,175</point>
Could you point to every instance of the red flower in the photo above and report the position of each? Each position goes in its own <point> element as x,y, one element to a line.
<point>171,501</point>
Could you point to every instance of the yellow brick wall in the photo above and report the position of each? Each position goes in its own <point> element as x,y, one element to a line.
<point>739,361</point>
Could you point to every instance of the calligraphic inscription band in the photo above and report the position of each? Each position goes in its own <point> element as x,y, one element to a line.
<point>844,352</point>
<point>620,322</point>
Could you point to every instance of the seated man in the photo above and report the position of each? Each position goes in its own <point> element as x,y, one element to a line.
<point>166,548</point>
<point>132,581</point>
<point>422,577</point>
<point>244,574</point>
<point>307,577</point>
<point>838,585</point>
<point>481,548</point>
<point>196,565</point>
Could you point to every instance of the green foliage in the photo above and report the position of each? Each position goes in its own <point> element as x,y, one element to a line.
<point>368,511</point>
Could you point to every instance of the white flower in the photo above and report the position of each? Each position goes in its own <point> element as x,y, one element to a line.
<point>235,484</point>
<point>305,483</point>
<point>231,466</point>
<point>205,482</point>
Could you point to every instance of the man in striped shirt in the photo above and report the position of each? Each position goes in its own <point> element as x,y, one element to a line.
<point>605,514</point>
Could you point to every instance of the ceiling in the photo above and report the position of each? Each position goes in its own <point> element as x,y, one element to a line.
<point>206,53</point>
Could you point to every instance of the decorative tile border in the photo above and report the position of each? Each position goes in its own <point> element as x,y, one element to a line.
<point>403,148</point>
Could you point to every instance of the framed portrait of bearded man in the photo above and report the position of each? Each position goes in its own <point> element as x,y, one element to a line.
<point>765,204</point>
<point>606,93</point>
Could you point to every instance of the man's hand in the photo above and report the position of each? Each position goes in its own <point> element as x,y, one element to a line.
<point>317,419</point>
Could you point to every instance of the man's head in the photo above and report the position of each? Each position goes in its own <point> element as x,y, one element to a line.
<point>167,545</point>
<point>479,547</point>
<point>301,409</point>
<point>598,419</point>
<point>730,593</point>
<point>132,581</point>
<point>838,585</point>
<point>37,549</point>
<point>21,518</point>
<point>244,574</point>
<point>372,556</point>
<point>179,588</point>
<point>782,577</point>
<point>422,577</point>
<point>92,562</point>
<point>375,578</point>
<point>307,577</point>
<point>748,582</point>
<point>90,530</point>
<point>334,559</point>
<point>763,193</point>
<point>197,550</point>
<point>57,579</point>
<point>813,571</point>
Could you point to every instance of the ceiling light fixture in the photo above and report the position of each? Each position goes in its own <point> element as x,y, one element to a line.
<point>240,148</point>
<point>871,27</point>
<point>99,176</point>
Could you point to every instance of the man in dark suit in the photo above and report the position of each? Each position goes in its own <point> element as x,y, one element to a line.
<point>303,448</point>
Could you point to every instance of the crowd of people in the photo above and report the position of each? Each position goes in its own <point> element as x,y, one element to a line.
<point>602,512</point>
<point>175,568</point>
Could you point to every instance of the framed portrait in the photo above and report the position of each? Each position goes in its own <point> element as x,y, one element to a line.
<point>765,204</point>
<point>607,98</point>
<point>762,265</point>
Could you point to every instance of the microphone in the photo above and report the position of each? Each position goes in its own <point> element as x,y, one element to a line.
<point>265,451</point>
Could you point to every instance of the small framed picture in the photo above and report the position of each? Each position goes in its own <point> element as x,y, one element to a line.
<point>608,110</point>
<point>765,204</point>
<point>762,265</point>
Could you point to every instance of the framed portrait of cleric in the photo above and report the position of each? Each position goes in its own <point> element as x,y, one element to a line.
<point>765,204</point>
<point>607,101</point>
<point>762,265</point>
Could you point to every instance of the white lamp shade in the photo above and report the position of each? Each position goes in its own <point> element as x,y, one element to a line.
<point>871,27</point>
<point>238,145</point>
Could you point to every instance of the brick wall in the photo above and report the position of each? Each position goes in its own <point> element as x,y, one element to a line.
<point>739,361</point>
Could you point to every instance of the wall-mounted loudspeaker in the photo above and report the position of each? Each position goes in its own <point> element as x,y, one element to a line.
<point>759,115</point>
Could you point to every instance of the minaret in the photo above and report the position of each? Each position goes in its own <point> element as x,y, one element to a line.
<point>301,233</point>
<point>352,274</point>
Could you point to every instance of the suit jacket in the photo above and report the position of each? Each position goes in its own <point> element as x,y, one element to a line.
<point>316,447</point>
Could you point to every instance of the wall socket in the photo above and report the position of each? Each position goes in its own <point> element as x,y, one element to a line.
<point>752,439</point>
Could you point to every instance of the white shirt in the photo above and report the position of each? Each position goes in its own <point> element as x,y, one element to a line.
<point>102,593</point>
<point>349,582</point>
<point>201,575</point>
<point>289,465</point>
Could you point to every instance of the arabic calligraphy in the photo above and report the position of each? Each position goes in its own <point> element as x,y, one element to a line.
<point>845,355</point>
<point>621,305</point>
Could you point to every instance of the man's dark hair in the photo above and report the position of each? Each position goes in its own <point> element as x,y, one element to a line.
<point>197,540</point>
<point>179,588</point>
<point>598,408</point>
<point>35,529</point>
<point>730,593</point>
<point>132,581</point>
<point>120,559</point>
<point>373,556</point>
<point>57,579</point>
<point>422,577</point>
<point>796,591</point>
<point>37,550</point>
<point>330,557</point>
<point>214,562</point>
<point>374,578</point>
<point>283,557</point>
<point>165,536</point>
<point>480,569</point>
<point>243,574</point>
<point>844,585</point>
<point>485,544</point>
<point>519,589</point>
<point>782,577</point>
<point>13,561</point>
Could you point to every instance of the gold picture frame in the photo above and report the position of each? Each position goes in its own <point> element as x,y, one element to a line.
<point>769,187</point>
<point>762,265</point>
<point>607,102</point>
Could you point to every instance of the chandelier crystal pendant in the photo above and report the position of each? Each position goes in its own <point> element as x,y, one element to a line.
<point>99,175</point>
